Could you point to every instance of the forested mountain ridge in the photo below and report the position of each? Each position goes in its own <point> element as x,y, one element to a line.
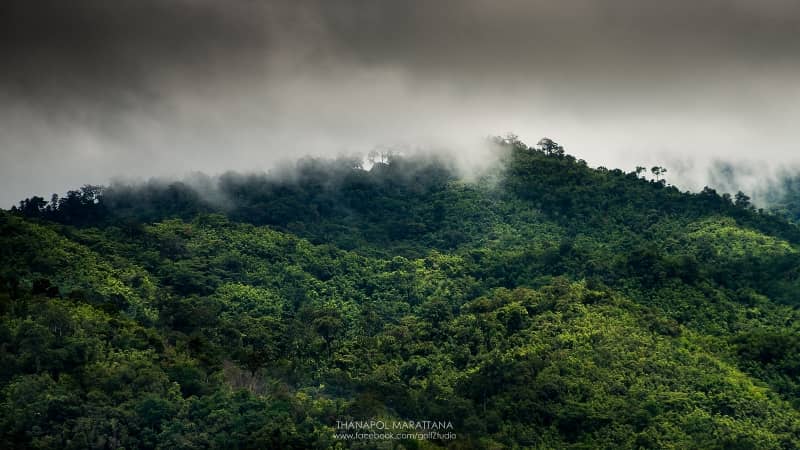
<point>544,304</point>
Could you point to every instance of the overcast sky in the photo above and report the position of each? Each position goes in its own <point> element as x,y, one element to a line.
<point>91,90</point>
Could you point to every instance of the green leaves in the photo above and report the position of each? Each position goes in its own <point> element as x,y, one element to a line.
<point>548,305</point>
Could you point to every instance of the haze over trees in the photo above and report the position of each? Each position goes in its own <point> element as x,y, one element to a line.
<point>546,304</point>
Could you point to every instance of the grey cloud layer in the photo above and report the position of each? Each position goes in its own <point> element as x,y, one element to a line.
<point>93,89</point>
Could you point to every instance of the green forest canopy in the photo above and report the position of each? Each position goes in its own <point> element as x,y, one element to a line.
<point>546,304</point>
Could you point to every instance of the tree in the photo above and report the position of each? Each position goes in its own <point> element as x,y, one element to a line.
<point>742,200</point>
<point>550,147</point>
<point>511,138</point>
<point>263,341</point>
<point>32,207</point>
<point>328,324</point>
<point>384,156</point>
<point>658,172</point>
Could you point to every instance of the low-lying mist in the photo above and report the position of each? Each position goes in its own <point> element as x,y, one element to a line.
<point>767,184</point>
<point>149,88</point>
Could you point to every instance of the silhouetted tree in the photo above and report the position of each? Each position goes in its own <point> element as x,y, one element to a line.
<point>742,200</point>
<point>658,172</point>
<point>550,147</point>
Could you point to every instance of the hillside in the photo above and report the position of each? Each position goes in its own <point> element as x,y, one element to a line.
<point>544,304</point>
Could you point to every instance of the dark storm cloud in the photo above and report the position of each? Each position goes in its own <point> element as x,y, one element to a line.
<point>96,50</point>
<point>92,44</point>
<point>92,89</point>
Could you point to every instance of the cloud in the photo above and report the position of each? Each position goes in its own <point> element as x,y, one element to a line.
<point>94,89</point>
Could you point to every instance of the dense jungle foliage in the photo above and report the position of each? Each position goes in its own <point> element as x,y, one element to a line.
<point>544,304</point>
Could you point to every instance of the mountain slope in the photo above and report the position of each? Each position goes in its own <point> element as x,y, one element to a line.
<point>546,304</point>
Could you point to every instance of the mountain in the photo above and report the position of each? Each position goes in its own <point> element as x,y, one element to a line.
<point>540,304</point>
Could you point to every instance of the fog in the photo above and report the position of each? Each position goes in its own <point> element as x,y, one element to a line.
<point>93,90</point>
